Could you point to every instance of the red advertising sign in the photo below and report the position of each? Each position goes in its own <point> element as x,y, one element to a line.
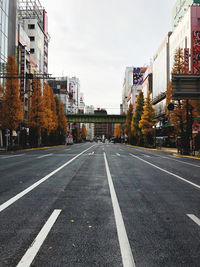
<point>196,52</point>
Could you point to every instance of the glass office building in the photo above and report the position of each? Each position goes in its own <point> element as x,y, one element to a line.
<point>4,13</point>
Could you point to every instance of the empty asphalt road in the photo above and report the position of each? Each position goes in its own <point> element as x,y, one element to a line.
<point>99,205</point>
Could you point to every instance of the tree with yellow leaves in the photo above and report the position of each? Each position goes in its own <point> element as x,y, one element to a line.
<point>135,129</point>
<point>36,119</point>
<point>178,116</point>
<point>118,132</point>
<point>147,121</point>
<point>12,114</point>
<point>128,123</point>
<point>83,132</point>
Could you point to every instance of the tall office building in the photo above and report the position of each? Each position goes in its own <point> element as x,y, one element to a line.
<point>4,15</point>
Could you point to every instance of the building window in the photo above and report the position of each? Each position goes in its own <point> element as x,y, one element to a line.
<point>31,26</point>
<point>32,50</point>
<point>32,38</point>
<point>198,19</point>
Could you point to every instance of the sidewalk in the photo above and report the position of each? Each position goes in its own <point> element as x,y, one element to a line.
<point>171,150</point>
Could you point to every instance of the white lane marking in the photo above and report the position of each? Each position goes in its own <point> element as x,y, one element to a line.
<point>39,240</point>
<point>118,154</point>
<point>194,218</point>
<point>43,156</point>
<point>126,253</point>
<point>170,173</point>
<point>67,149</point>
<point>183,162</point>
<point>7,157</point>
<point>30,188</point>
<point>146,155</point>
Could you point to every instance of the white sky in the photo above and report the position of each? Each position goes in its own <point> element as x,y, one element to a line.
<point>95,40</point>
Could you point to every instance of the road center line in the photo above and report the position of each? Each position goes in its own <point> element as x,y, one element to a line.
<point>13,156</point>
<point>194,218</point>
<point>43,156</point>
<point>170,173</point>
<point>126,253</point>
<point>39,240</point>
<point>30,188</point>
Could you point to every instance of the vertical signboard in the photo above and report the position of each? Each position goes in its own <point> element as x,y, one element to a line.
<point>186,59</point>
<point>196,52</point>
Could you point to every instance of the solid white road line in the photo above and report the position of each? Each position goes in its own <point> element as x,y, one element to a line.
<point>8,157</point>
<point>170,173</point>
<point>30,188</point>
<point>39,240</point>
<point>194,218</point>
<point>126,253</point>
<point>183,162</point>
<point>43,156</point>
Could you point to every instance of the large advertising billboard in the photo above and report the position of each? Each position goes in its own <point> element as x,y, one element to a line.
<point>138,74</point>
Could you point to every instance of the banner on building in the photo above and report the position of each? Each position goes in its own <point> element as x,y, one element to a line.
<point>196,52</point>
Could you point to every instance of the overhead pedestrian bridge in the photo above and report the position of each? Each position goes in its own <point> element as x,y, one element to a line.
<point>96,118</point>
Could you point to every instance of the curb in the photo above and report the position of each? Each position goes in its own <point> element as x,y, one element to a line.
<point>34,148</point>
<point>185,156</point>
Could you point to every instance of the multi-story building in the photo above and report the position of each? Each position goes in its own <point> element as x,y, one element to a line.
<point>60,88</point>
<point>186,35</point>
<point>161,77</point>
<point>131,87</point>
<point>74,95</point>
<point>7,41</point>
<point>81,103</point>
<point>89,126</point>
<point>180,8</point>
<point>33,19</point>
<point>147,81</point>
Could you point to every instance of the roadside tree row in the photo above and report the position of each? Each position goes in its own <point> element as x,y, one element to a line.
<point>47,122</point>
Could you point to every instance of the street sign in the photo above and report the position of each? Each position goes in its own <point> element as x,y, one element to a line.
<point>185,86</point>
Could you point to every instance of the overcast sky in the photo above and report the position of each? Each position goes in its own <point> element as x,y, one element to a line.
<point>95,40</point>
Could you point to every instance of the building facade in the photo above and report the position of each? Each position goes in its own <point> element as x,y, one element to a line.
<point>89,126</point>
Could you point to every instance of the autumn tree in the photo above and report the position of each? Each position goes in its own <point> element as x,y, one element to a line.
<point>83,132</point>
<point>128,122</point>
<point>147,121</point>
<point>178,116</point>
<point>118,131</point>
<point>12,114</point>
<point>36,120</point>
<point>135,129</point>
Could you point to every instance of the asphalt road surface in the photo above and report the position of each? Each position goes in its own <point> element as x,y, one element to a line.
<point>99,205</point>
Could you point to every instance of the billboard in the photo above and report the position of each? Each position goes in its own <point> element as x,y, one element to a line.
<point>185,86</point>
<point>138,74</point>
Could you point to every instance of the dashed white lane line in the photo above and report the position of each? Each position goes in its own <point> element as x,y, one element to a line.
<point>145,155</point>
<point>194,218</point>
<point>118,154</point>
<point>8,157</point>
<point>43,156</point>
<point>30,188</point>
<point>126,253</point>
<point>170,173</point>
<point>68,149</point>
<point>39,240</point>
